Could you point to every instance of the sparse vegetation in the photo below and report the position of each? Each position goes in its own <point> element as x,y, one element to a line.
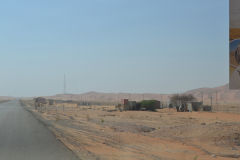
<point>95,126</point>
<point>102,120</point>
<point>181,99</point>
<point>195,158</point>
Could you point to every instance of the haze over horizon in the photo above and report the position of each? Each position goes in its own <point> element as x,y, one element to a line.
<point>133,46</point>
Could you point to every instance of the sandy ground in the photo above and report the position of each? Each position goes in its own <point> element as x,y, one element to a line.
<point>99,132</point>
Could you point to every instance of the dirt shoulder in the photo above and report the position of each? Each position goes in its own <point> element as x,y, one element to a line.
<point>98,132</point>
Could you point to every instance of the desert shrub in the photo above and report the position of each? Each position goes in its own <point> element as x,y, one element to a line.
<point>102,120</point>
<point>177,100</point>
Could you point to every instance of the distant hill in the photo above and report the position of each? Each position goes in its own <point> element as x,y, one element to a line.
<point>110,97</point>
<point>5,98</point>
<point>224,96</point>
<point>221,94</point>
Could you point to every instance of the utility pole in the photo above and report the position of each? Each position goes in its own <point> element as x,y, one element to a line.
<point>211,100</point>
<point>216,97</point>
<point>64,85</point>
<point>117,99</point>
<point>202,97</point>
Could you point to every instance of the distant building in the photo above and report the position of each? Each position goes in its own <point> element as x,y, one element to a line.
<point>124,102</point>
<point>193,106</point>
<point>144,105</point>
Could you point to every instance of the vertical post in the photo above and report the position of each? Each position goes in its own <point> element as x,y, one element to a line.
<point>117,99</point>
<point>216,97</point>
<point>211,100</point>
<point>56,112</point>
<point>64,84</point>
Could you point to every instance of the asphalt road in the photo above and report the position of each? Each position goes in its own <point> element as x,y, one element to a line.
<point>22,137</point>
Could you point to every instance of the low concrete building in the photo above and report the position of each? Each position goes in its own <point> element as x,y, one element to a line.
<point>143,105</point>
<point>124,102</point>
<point>194,106</point>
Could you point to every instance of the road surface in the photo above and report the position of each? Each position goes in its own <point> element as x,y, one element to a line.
<point>22,137</point>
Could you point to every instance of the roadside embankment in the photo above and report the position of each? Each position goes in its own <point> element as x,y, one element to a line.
<point>101,132</point>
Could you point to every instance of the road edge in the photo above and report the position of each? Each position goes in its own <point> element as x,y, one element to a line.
<point>49,126</point>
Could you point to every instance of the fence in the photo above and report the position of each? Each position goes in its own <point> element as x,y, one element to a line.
<point>226,108</point>
<point>58,108</point>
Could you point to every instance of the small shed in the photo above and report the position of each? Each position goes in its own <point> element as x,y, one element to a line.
<point>194,106</point>
<point>124,102</point>
<point>189,107</point>
<point>132,105</point>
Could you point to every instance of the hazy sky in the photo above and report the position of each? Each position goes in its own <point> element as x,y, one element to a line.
<point>159,46</point>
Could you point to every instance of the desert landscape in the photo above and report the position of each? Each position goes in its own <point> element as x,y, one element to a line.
<point>102,132</point>
<point>120,80</point>
<point>221,95</point>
